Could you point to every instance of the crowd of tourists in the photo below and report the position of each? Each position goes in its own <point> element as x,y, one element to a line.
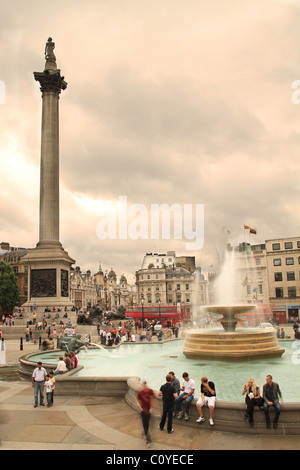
<point>133,331</point>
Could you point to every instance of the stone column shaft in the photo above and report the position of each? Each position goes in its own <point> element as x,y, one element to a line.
<point>49,170</point>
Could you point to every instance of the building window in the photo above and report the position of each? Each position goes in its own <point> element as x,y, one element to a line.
<point>277,262</point>
<point>257,261</point>
<point>187,287</point>
<point>291,292</point>
<point>288,245</point>
<point>289,261</point>
<point>278,277</point>
<point>178,286</point>
<point>290,276</point>
<point>298,244</point>
<point>248,289</point>
<point>260,289</point>
<point>279,292</point>
<point>276,246</point>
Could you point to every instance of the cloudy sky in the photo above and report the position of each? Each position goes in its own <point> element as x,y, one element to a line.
<point>168,102</point>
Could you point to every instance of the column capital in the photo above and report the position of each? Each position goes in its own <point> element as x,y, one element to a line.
<point>50,81</point>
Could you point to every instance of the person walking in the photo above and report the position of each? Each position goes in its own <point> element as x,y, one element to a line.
<point>38,378</point>
<point>168,392</point>
<point>271,395</point>
<point>145,403</point>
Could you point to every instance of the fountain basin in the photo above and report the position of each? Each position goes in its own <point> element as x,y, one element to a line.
<point>229,314</point>
<point>241,345</point>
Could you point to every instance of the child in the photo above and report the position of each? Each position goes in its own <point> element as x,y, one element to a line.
<point>48,387</point>
<point>52,380</point>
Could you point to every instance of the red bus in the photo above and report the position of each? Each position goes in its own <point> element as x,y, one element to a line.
<point>156,312</point>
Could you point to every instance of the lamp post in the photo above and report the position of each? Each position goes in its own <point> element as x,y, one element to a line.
<point>142,300</point>
<point>159,309</point>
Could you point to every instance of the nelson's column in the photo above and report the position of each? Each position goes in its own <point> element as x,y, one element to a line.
<point>49,264</point>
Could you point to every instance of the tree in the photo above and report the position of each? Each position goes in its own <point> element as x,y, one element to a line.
<point>9,290</point>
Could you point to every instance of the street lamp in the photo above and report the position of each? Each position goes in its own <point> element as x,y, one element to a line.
<point>159,309</point>
<point>142,312</point>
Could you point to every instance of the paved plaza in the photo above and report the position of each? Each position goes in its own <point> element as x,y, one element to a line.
<point>101,423</point>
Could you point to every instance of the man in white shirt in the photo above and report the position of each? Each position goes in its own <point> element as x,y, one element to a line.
<point>38,378</point>
<point>188,389</point>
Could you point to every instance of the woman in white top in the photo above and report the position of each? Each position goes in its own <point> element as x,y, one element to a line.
<point>61,366</point>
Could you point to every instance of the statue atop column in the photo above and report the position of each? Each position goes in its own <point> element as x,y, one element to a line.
<point>49,51</point>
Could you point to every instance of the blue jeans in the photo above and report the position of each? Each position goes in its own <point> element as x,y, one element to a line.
<point>145,415</point>
<point>38,388</point>
<point>188,400</point>
<point>277,411</point>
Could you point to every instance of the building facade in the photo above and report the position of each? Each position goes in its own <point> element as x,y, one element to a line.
<point>283,264</point>
<point>160,281</point>
<point>83,289</point>
<point>13,255</point>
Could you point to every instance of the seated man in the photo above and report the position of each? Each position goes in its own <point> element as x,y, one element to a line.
<point>271,394</point>
<point>188,388</point>
<point>208,397</point>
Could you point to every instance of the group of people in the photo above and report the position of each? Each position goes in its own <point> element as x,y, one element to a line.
<point>41,381</point>
<point>270,398</point>
<point>135,331</point>
<point>175,394</point>
<point>69,362</point>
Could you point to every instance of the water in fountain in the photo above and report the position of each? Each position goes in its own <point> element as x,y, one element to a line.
<point>225,290</point>
<point>229,343</point>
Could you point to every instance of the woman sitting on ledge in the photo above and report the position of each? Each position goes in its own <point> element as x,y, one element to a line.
<point>61,367</point>
<point>252,398</point>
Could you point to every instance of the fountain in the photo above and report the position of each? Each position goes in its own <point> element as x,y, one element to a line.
<point>229,342</point>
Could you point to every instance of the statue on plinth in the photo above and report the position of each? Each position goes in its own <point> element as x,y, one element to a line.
<point>49,51</point>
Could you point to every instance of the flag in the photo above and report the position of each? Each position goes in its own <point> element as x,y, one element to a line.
<point>252,230</point>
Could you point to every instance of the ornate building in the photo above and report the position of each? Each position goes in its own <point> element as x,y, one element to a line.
<point>112,293</point>
<point>83,289</point>
<point>166,283</point>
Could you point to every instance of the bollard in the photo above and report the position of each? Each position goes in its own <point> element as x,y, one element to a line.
<point>2,344</point>
<point>40,342</point>
<point>21,344</point>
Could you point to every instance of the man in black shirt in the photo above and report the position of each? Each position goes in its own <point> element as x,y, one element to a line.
<point>168,392</point>
<point>208,397</point>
